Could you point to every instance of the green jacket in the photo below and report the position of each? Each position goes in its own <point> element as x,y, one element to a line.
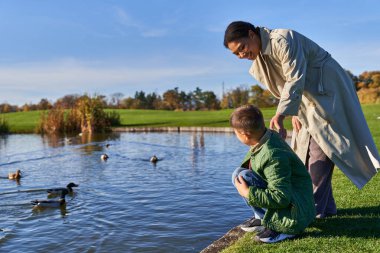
<point>288,197</point>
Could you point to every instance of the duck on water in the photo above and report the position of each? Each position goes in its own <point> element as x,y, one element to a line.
<point>51,203</point>
<point>16,175</point>
<point>104,157</point>
<point>57,191</point>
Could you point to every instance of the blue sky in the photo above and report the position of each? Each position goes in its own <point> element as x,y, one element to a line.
<point>52,48</point>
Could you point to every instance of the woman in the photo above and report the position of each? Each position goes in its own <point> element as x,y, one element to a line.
<point>328,124</point>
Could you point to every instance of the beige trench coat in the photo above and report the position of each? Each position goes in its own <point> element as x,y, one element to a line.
<point>313,86</point>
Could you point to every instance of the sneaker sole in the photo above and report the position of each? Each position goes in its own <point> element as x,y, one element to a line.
<point>253,229</point>
<point>279,238</point>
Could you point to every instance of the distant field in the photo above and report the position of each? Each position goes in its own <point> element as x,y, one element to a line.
<point>26,122</point>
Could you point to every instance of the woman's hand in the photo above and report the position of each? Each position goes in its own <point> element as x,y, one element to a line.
<point>242,187</point>
<point>296,124</point>
<point>278,122</point>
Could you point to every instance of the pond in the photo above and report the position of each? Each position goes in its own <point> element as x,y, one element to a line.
<point>125,204</point>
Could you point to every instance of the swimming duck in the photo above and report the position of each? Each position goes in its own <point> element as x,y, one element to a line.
<point>68,140</point>
<point>69,189</point>
<point>16,175</point>
<point>51,203</point>
<point>104,157</point>
<point>108,145</point>
<point>154,159</point>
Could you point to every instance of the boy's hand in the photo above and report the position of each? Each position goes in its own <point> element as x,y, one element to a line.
<point>242,187</point>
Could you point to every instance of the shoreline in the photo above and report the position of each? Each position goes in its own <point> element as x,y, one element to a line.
<point>173,129</point>
<point>225,241</point>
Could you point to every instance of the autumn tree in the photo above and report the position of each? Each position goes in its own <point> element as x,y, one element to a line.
<point>171,99</point>
<point>235,97</point>
<point>5,108</point>
<point>44,104</point>
<point>67,101</point>
<point>261,97</point>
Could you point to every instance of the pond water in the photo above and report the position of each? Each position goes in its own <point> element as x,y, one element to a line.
<point>125,204</point>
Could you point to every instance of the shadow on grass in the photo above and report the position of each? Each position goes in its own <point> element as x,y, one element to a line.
<point>362,222</point>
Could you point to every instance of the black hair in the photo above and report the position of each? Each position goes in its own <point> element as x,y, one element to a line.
<point>237,30</point>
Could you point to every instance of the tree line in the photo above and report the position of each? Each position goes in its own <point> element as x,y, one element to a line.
<point>367,85</point>
<point>172,99</point>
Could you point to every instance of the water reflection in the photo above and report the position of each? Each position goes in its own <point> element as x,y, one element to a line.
<point>56,141</point>
<point>3,141</point>
<point>38,210</point>
<point>197,143</point>
<point>17,181</point>
<point>122,205</point>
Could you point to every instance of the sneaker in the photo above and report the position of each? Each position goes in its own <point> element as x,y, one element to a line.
<point>270,236</point>
<point>252,225</point>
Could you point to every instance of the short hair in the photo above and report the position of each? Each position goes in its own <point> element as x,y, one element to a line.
<point>247,118</point>
<point>237,30</point>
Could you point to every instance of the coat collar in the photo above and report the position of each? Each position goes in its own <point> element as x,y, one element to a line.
<point>255,148</point>
<point>266,47</point>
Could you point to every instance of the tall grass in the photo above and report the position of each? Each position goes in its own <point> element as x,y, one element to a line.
<point>4,126</point>
<point>87,116</point>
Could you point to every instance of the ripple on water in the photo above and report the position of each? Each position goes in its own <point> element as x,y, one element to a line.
<point>126,204</point>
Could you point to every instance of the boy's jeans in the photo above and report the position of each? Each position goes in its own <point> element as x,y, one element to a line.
<point>251,178</point>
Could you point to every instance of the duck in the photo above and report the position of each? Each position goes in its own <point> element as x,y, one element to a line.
<point>51,203</point>
<point>154,159</point>
<point>104,157</point>
<point>16,175</point>
<point>57,191</point>
<point>108,145</point>
<point>68,140</point>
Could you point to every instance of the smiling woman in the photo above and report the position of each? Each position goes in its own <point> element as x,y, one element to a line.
<point>243,39</point>
<point>329,125</point>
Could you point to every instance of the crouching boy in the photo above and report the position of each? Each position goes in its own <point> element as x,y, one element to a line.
<point>272,180</point>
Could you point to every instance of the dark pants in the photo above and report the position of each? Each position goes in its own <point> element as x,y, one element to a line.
<point>321,168</point>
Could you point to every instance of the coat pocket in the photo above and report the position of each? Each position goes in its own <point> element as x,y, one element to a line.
<point>321,97</point>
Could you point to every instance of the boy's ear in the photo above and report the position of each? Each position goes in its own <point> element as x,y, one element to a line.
<point>245,134</point>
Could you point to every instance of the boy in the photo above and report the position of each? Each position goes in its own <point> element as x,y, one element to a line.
<point>272,179</point>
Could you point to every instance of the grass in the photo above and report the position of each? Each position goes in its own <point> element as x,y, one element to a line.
<point>356,228</point>
<point>22,122</point>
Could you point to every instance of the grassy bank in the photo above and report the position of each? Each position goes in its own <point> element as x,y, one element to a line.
<point>356,228</point>
<point>25,122</point>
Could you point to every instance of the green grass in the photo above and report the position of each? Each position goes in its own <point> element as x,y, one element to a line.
<point>22,122</point>
<point>158,118</point>
<point>356,228</point>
